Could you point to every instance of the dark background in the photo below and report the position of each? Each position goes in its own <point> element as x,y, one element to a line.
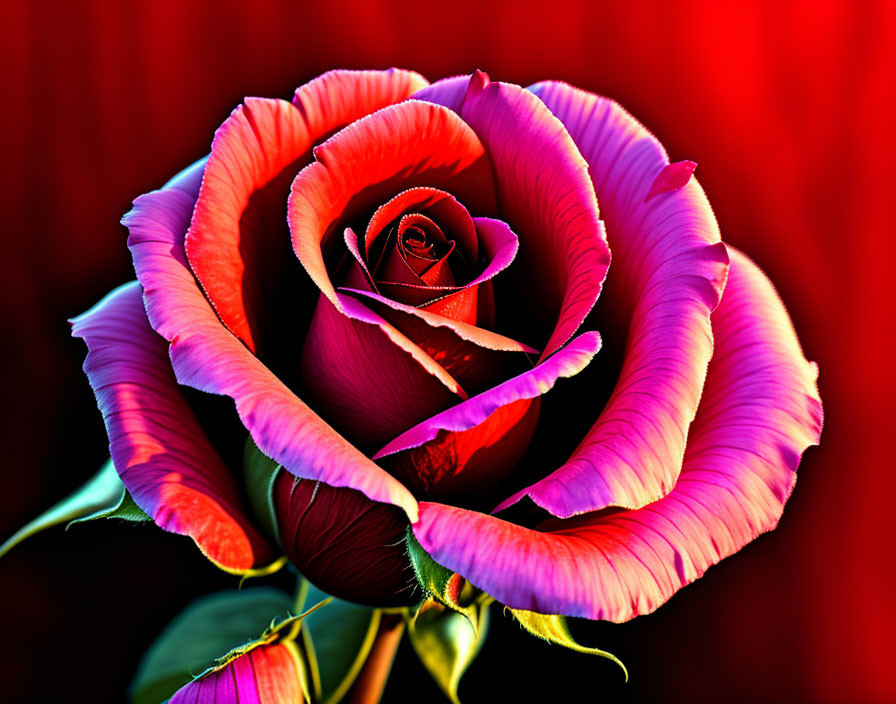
<point>787,107</point>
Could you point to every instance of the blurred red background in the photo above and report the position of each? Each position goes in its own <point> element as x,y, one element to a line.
<point>787,107</point>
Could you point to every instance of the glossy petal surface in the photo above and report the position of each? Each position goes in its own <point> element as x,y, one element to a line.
<point>761,410</point>
<point>546,197</point>
<point>237,239</point>
<point>265,675</point>
<point>162,455</point>
<point>669,269</point>
<point>206,356</point>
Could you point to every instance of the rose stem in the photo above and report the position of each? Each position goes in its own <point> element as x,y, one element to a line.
<point>368,687</point>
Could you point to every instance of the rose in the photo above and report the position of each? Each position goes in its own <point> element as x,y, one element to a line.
<point>452,250</point>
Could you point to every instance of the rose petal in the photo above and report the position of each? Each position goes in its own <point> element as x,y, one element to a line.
<point>546,196</point>
<point>567,362</point>
<point>405,145</point>
<point>669,270</point>
<point>268,674</point>
<point>206,356</point>
<point>236,243</point>
<point>162,455</point>
<point>761,410</point>
<point>359,373</point>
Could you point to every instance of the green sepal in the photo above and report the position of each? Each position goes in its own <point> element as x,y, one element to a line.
<point>208,634</point>
<point>259,473</point>
<point>336,643</point>
<point>555,630</point>
<point>446,642</point>
<point>104,496</point>
<point>441,584</point>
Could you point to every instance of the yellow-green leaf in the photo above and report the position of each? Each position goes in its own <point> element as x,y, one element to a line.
<point>554,630</point>
<point>446,642</point>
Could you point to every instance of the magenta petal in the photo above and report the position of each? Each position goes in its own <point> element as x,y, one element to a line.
<point>669,269</point>
<point>567,362</point>
<point>268,674</point>
<point>162,455</point>
<point>761,410</point>
<point>206,356</point>
<point>546,196</point>
<point>672,177</point>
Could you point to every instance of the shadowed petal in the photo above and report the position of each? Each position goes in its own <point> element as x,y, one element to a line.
<point>206,356</point>
<point>472,445</point>
<point>238,242</point>
<point>162,455</point>
<point>761,410</point>
<point>669,270</point>
<point>269,674</point>
<point>545,195</point>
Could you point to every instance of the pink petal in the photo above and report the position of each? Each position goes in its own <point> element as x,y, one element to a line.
<point>268,674</point>
<point>206,356</point>
<point>567,362</point>
<point>162,455</point>
<point>671,178</point>
<point>237,240</point>
<point>402,146</point>
<point>761,410</point>
<point>669,270</point>
<point>545,195</point>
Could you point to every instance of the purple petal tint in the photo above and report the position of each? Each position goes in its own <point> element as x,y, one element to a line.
<point>206,356</point>
<point>567,362</point>
<point>269,674</point>
<point>759,413</point>
<point>162,455</point>
<point>546,196</point>
<point>669,269</point>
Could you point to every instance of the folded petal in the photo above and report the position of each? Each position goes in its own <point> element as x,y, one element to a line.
<point>669,270</point>
<point>357,370</point>
<point>269,674</point>
<point>238,242</point>
<point>358,169</point>
<point>206,356</point>
<point>545,195</point>
<point>761,410</point>
<point>162,455</point>
<point>470,444</point>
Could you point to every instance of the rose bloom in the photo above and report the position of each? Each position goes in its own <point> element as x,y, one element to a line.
<point>386,277</point>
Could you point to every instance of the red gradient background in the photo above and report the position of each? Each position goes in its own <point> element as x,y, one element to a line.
<point>787,107</point>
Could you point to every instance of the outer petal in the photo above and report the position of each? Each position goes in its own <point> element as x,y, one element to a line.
<point>546,196</point>
<point>669,270</point>
<point>162,455</point>
<point>206,356</point>
<point>268,674</point>
<point>760,412</point>
<point>237,240</point>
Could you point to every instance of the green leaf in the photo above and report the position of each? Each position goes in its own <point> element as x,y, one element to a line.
<point>104,496</point>
<point>446,587</point>
<point>207,630</point>
<point>260,472</point>
<point>555,630</point>
<point>337,640</point>
<point>447,643</point>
